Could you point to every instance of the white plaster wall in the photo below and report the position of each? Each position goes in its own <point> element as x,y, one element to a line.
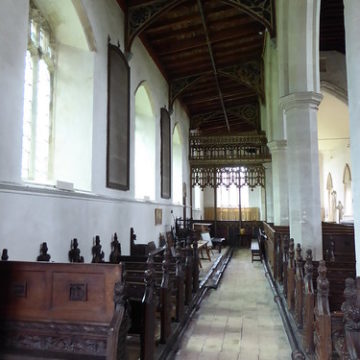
<point>73,110</point>
<point>13,40</point>
<point>31,215</point>
<point>334,161</point>
<point>334,143</point>
<point>31,218</point>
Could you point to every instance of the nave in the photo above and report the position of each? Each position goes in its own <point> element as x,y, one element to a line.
<point>239,320</point>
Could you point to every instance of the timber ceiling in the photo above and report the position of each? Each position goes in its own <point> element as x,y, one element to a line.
<point>210,51</point>
<point>332,32</point>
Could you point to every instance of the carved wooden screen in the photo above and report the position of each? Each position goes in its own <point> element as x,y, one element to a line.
<point>118,120</point>
<point>165,154</point>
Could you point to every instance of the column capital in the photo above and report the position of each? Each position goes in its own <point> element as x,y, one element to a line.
<point>277,145</point>
<point>267,166</point>
<point>306,99</point>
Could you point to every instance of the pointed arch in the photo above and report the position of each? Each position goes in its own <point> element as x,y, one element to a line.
<point>177,146</point>
<point>329,182</point>
<point>347,174</point>
<point>348,208</point>
<point>145,144</point>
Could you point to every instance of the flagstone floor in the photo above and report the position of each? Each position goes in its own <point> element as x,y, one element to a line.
<point>239,320</point>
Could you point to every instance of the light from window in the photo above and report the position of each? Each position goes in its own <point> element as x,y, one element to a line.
<point>197,197</point>
<point>177,166</point>
<point>144,146</point>
<point>39,67</point>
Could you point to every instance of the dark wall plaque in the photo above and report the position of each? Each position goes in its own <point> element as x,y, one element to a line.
<point>165,154</point>
<point>118,116</point>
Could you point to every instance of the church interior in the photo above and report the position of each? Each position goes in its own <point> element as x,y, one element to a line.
<point>178,179</point>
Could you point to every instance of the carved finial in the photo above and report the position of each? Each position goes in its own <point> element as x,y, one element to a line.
<point>44,256</point>
<point>165,268</point>
<point>309,264</point>
<point>149,295</point>
<point>150,262</point>
<point>322,281</point>
<point>291,253</point>
<point>74,253</point>
<point>322,289</point>
<point>349,307</point>
<point>98,255</point>
<point>4,255</point>
<point>115,254</point>
<point>298,253</point>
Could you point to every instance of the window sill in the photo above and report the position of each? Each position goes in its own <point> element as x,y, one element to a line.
<point>46,190</point>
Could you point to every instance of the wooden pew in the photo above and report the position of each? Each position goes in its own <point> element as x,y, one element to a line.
<point>338,242</point>
<point>322,335</point>
<point>274,248</point>
<point>141,295</point>
<point>291,278</point>
<point>309,298</point>
<point>299,287</point>
<point>68,311</point>
<point>140,249</point>
<point>168,286</point>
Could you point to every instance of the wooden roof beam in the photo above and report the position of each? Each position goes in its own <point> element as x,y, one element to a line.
<point>213,63</point>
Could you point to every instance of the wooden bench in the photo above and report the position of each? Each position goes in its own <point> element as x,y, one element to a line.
<point>255,251</point>
<point>61,311</point>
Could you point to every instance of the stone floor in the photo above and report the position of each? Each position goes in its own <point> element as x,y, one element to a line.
<point>239,320</point>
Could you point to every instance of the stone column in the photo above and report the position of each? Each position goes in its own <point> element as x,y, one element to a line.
<point>278,150</point>
<point>300,111</point>
<point>352,19</point>
<point>269,193</point>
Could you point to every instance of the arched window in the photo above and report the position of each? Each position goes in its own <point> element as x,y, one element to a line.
<point>144,146</point>
<point>177,165</point>
<point>348,211</point>
<point>58,96</point>
<point>38,99</point>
